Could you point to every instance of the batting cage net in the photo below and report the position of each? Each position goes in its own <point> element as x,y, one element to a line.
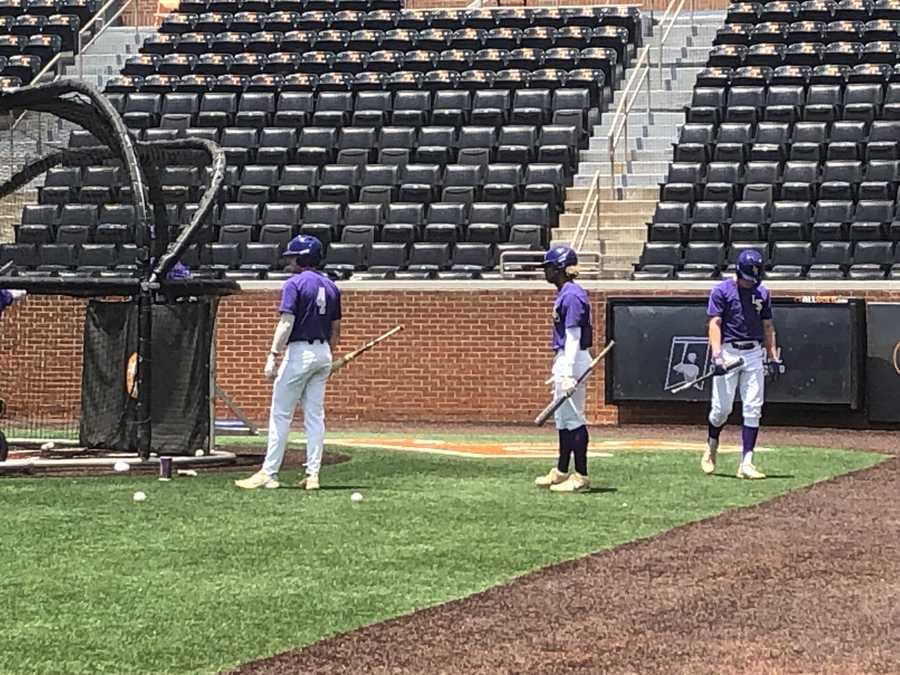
<point>114,355</point>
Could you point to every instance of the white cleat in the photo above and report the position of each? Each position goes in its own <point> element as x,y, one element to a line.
<point>574,483</point>
<point>258,480</point>
<point>555,477</point>
<point>309,483</point>
<point>749,471</point>
<point>708,463</point>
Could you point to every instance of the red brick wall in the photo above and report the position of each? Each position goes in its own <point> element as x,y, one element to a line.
<point>478,355</point>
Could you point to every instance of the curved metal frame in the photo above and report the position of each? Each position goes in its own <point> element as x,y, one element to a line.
<point>85,106</point>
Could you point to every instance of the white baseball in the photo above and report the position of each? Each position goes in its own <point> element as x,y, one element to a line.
<point>139,496</point>
<point>356,497</point>
<point>121,466</point>
<point>199,453</point>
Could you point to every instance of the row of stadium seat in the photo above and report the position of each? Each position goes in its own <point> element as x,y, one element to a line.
<point>871,260</point>
<point>315,62</point>
<point>486,222</point>
<point>337,14</point>
<point>490,107</point>
<point>812,10</point>
<point>250,261</point>
<point>471,80</point>
<point>745,34</point>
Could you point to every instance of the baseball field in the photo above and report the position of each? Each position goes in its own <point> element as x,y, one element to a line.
<point>673,571</point>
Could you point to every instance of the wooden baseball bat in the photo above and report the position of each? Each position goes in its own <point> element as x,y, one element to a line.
<point>347,358</point>
<point>547,412</point>
<point>738,363</point>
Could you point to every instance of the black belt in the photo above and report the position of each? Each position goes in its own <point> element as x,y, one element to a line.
<point>744,346</point>
<point>312,341</point>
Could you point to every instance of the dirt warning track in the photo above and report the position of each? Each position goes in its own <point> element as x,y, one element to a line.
<point>806,583</point>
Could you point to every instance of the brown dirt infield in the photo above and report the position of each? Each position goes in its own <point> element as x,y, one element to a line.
<point>806,583</point>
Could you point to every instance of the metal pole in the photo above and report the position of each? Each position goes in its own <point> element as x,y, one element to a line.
<point>144,373</point>
<point>625,150</point>
<point>692,16</point>
<point>12,144</point>
<point>597,205</point>
<point>80,57</point>
<point>648,91</point>
<point>612,168</point>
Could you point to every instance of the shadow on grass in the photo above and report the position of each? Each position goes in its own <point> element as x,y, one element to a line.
<point>327,488</point>
<point>769,476</point>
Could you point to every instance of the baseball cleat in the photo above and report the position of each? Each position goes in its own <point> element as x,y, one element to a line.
<point>749,471</point>
<point>309,483</point>
<point>708,463</point>
<point>257,480</point>
<point>574,483</point>
<point>553,478</point>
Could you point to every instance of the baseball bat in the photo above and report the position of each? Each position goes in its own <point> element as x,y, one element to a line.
<point>737,363</point>
<point>554,405</point>
<point>347,358</point>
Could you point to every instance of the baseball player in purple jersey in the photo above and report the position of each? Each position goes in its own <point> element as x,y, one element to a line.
<point>310,324</point>
<point>572,337</point>
<point>740,326</point>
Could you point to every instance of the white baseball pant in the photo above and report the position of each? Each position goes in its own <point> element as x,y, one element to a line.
<point>751,380</point>
<point>570,415</point>
<point>302,376</point>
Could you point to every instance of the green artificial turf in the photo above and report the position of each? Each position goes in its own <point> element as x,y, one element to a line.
<point>202,576</point>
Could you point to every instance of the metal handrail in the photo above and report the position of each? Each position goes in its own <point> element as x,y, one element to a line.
<point>619,127</point>
<point>672,13</point>
<point>591,205</point>
<point>82,48</point>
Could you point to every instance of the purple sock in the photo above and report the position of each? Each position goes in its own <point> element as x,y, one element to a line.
<point>748,436</point>
<point>580,439</point>
<point>714,431</point>
<point>565,450</point>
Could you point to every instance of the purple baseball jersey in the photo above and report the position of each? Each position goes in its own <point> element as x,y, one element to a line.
<point>6,299</point>
<point>572,309</point>
<point>315,302</point>
<point>742,310</point>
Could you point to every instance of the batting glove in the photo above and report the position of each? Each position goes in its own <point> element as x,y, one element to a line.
<point>271,367</point>
<point>567,385</point>
<point>719,365</point>
<point>775,367</point>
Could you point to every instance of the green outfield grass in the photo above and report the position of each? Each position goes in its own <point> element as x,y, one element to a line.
<point>202,576</point>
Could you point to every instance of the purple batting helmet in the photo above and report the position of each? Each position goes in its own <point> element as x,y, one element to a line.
<point>307,249</point>
<point>560,257</point>
<point>750,265</point>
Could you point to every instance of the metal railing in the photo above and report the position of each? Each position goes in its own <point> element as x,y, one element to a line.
<point>618,129</point>
<point>591,208</point>
<point>104,22</point>
<point>527,265</point>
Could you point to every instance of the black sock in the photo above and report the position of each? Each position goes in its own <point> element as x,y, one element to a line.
<point>565,450</point>
<point>714,431</point>
<point>580,440</point>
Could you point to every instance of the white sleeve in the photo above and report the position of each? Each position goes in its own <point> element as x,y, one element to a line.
<point>17,294</point>
<point>282,333</point>
<point>573,344</point>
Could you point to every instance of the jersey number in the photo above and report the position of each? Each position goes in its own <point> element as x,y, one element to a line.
<point>321,303</point>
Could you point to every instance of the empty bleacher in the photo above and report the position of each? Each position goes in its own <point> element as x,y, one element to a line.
<point>32,32</point>
<point>412,143</point>
<point>791,145</point>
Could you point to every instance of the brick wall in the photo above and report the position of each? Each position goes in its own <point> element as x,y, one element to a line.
<point>465,355</point>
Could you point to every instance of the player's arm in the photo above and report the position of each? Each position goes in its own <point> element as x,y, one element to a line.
<point>715,335</point>
<point>335,334</point>
<point>769,335</point>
